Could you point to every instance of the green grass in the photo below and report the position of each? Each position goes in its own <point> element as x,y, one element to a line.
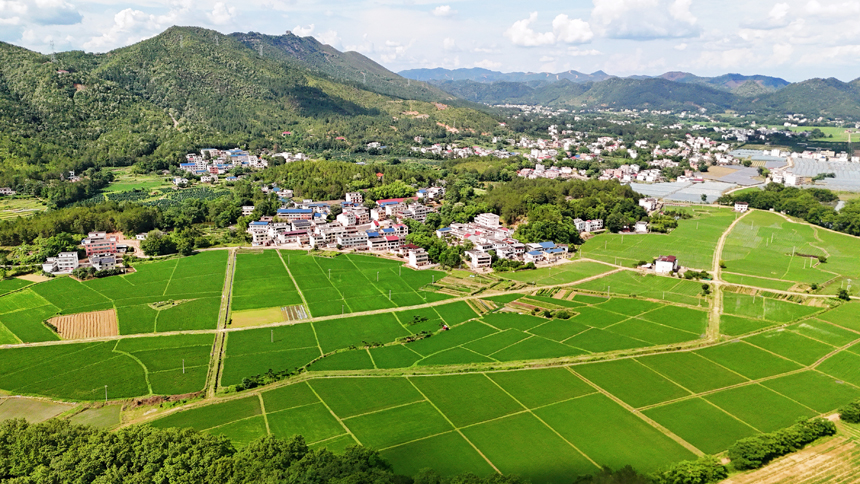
<point>314,422</point>
<point>736,325</point>
<point>846,315</point>
<point>559,329</point>
<point>398,425</point>
<point>9,285</point>
<point>349,397</point>
<point>28,324</point>
<point>537,388</point>
<point>758,282</point>
<point>262,281</point>
<point>815,390</point>
<point>562,274</point>
<point>634,383</point>
<point>844,365</point>
<point>455,313</point>
<point>791,345</point>
<point>769,412</point>
<point>32,410</point>
<point>209,416</point>
<point>586,422</point>
<point>708,428</point>
<point>466,399</point>
<point>768,309</point>
<point>241,366</point>
<point>537,453</point>
<point>661,288</point>
<point>450,455</point>
<point>495,342</point>
<point>193,315</point>
<point>335,334</point>
<point>345,360</point>
<point>104,418</point>
<point>290,396</point>
<point>747,360</point>
<point>536,348</point>
<point>512,320</point>
<point>824,332</point>
<point>693,242</point>
<point>692,371</point>
<point>597,318</point>
<point>242,432</point>
<point>629,306</point>
<point>395,356</point>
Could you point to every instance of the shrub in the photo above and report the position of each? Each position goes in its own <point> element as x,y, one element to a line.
<point>843,295</point>
<point>850,413</point>
<point>754,452</point>
<point>562,314</point>
<point>706,469</point>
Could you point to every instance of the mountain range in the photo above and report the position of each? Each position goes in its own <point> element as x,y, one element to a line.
<point>153,101</point>
<point>727,82</point>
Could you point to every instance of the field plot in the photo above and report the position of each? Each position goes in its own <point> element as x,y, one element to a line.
<point>702,424</point>
<point>27,325</point>
<point>105,417</point>
<point>31,409</point>
<point>768,309</point>
<point>262,281</point>
<point>660,288</point>
<point>766,245</point>
<point>693,242</point>
<point>128,368</point>
<point>354,283</point>
<point>86,325</point>
<point>256,351</point>
<point>9,285</point>
<point>561,274</point>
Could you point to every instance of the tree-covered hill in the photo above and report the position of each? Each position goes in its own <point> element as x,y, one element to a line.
<point>188,88</point>
<point>344,67</point>
<point>829,98</point>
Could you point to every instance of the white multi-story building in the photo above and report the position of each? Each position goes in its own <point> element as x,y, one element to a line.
<point>487,220</point>
<point>418,257</point>
<point>64,263</point>
<point>354,197</point>
<point>479,259</point>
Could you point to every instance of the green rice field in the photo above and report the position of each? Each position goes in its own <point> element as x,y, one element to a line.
<point>547,383</point>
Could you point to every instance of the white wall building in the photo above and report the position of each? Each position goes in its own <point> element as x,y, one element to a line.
<point>487,220</point>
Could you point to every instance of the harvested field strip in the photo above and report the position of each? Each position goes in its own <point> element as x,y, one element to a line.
<point>96,324</point>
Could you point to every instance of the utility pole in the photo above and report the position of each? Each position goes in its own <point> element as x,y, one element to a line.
<point>183,366</point>
<point>53,54</point>
<point>105,393</point>
<point>181,44</point>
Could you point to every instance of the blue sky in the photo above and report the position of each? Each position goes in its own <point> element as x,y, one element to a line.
<point>792,39</point>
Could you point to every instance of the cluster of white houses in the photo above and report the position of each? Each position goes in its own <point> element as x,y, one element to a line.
<point>102,250</point>
<point>211,163</point>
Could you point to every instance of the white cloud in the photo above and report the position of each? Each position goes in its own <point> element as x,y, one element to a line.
<point>39,12</point>
<point>573,51</point>
<point>330,37</point>
<point>644,19</point>
<point>221,14</point>
<point>488,64</point>
<point>564,30</point>
<point>814,7</point>
<point>571,31</point>
<point>782,53</point>
<point>449,44</point>
<point>303,31</point>
<point>521,33</point>
<point>681,46</point>
<point>546,58</point>
<point>443,11</point>
<point>128,24</point>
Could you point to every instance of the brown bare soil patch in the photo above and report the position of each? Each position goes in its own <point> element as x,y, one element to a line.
<point>441,107</point>
<point>717,172</point>
<point>95,324</point>
<point>34,278</point>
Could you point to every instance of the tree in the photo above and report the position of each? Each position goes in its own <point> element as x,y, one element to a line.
<point>850,413</point>
<point>158,243</point>
<point>704,198</point>
<point>843,294</point>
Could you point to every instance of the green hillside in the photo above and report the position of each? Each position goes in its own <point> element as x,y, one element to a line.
<point>152,102</point>
<point>344,67</point>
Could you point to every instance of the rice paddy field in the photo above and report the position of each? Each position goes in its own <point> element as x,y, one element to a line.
<point>766,250</point>
<point>692,242</point>
<point>594,366</point>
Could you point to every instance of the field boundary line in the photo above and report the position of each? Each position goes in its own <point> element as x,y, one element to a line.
<point>263,413</point>
<point>136,359</point>
<point>422,400</point>
<point>216,364</point>
<point>327,439</point>
<point>529,410</point>
<point>371,358</point>
<point>832,354</point>
<point>369,281</point>
<point>316,263</point>
<point>170,279</point>
<point>417,440</point>
<point>730,414</point>
<point>339,420</point>
<point>456,429</point>
<point>296,284</point>
<point>653,423</point>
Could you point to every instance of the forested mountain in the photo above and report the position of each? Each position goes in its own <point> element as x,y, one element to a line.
<point>815,97</point>
<point>188,87</point>
<point>726,82</point>
<point>346,67</point>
